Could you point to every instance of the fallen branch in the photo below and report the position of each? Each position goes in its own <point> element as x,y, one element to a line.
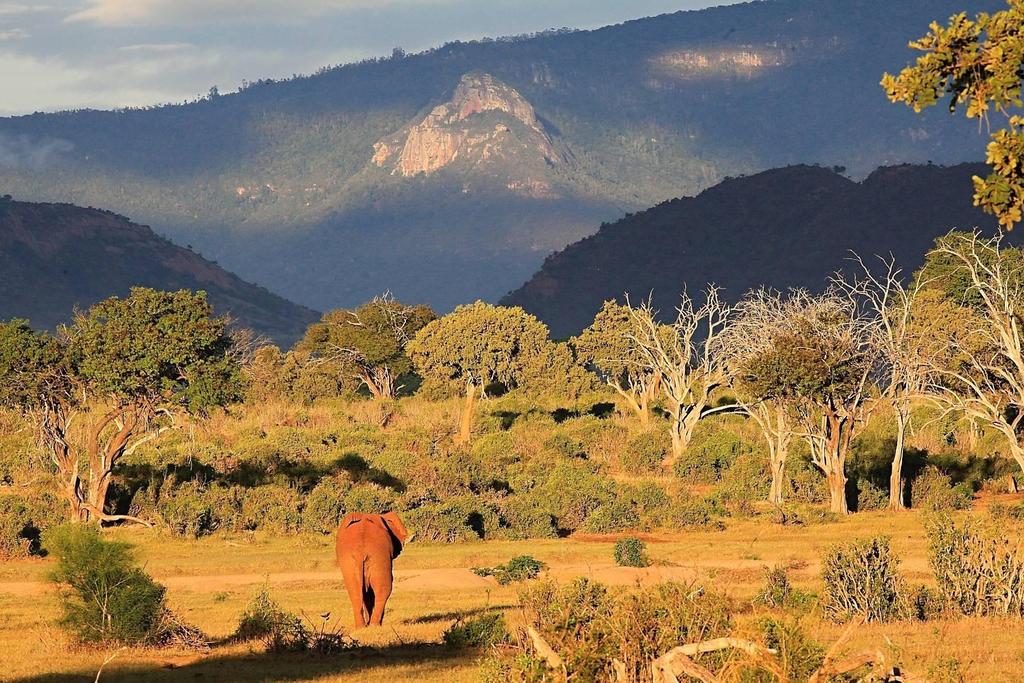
<point>677,661</point>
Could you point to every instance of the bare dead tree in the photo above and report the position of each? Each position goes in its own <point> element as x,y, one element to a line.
<point>690,360</point>
<point>891,306</point>
<point>985,379</point>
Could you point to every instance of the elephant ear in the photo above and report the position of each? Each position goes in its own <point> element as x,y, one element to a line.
<point>399,533</point>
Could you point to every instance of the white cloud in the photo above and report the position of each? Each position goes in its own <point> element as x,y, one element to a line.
<point>191,12</point>
<point>157,47</point>
<point>13,34</point>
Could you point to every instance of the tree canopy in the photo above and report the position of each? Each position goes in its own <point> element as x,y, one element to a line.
<point>978,63</point>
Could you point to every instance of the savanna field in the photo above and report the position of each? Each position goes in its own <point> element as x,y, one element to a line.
<point>779,485</point>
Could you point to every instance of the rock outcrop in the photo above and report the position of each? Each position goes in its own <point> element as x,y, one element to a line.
<point>461,129</point>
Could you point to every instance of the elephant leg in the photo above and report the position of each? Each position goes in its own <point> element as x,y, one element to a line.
<point>381,593</point>
<point>352,571</point>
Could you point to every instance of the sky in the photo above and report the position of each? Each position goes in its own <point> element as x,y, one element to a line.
<point>67,54</point>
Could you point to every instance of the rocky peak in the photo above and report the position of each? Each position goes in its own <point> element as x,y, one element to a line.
<point>458,129</point>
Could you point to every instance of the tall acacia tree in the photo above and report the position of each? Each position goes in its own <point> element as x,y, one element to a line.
<point>113,380</point>
<point>984,374</point>
<point>978,63</point>
<point>368,344</point>
<point>475,346</point>
<point>760,317</point>
<point>690,359</point>
<point>894,322</point>
<point>821,360</point>
<point>607,347</point>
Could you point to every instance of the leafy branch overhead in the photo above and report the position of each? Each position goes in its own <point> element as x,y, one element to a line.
<point>979,64</point>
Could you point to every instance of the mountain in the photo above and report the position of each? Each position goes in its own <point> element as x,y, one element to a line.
<point>54,257</point>
<point>448,175</point>
<point>788,227</point>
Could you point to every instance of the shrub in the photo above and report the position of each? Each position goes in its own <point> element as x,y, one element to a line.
<point>325,505</point>
<point>799,655</point>
<point>104,596</point>
<point>924,603</point>
<point>452,521</point>
<point>691,512</point>
<point>806,483</point>
<point>631,552</point>
<point>518,569</point>
<point>861,580</point>
<point>712,450</point>
<point>16,528</point>
<point>370,498</point>
<point>522,518</point>
<point>933,490</point>
<point>225,504</point>
<point>282,631</point>
<point>743,481</point>
<point>482,631</point>
<point>588,627</point>
<point>870,497</point>
<point>616,514</point>
<point>651,501</point>
<point>644,452</point>
<point>978,573</point>
<point>572,492</point>
<point>946,669</point>
<point>270,508</point>
<point>777,590</point>
<point>186,512</point>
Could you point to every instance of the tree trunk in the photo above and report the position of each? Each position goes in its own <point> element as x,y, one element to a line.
<point>777,465</point>
<point>837,492</point>
<point>466,419</point>
<point>896,475</point>
<point>684,421</point>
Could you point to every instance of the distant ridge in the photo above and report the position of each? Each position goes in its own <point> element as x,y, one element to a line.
<point>787,227</point>
<point>54,257</point>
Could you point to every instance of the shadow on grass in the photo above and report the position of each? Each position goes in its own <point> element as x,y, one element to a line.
<point>456,615</point>
<point>249,667</point>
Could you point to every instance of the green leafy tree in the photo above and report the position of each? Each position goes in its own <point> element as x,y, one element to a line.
<point>368,344</point>
<point>478,345</point>
<point>820,360</point>
<point>978,63</point>
<point>113,380</point>
<point>607,347</point>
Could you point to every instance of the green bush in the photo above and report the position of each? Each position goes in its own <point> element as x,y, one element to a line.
<point>933,490</point>
<point>800,656</point>
<point>225,504</point>
<point>485,630</point>
<point>517,569</point>
<point>573,490</point>
<point>614,515</point>
<point>644,452</point>
<point>370,498</point>
<point>522,518</point>
<point>186,511</point>
<point>712,450</point>
<point>16,529</point>
<point>861,580</point>
<point>272,507</point>
<point>631,552</point>
<point>280,631</point>
<point>692,512</point>
<point>325,505</point>
<point>651,501</point>
<point>806,483</point>
<point>104,596</point>
<point>451,521</point>
<point>870,497</point>
<point>777,590</point>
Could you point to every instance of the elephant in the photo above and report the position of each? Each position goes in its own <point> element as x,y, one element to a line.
<point>366,547</point>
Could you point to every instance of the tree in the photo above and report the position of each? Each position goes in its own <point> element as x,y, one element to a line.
<point>978,63</point>
<point>983,373</point>
<point>892,306</point>
<point>113,380</point>
<point>750,336</point>
<point>368,344</point>
<point>475,346</point>
<point>689,359</point>
<point>820,361</point>
<point>608,349</point>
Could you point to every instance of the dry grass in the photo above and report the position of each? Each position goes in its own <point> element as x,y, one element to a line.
<point>210,581</point>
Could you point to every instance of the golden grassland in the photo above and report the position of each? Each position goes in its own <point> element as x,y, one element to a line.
<point>210,581</point>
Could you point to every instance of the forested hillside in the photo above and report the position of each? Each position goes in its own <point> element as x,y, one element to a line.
<point>449,175</point>
<point>788,227</point>
<point>55,257</point>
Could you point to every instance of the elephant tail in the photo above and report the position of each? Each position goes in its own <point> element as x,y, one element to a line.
<point>364,585</point>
